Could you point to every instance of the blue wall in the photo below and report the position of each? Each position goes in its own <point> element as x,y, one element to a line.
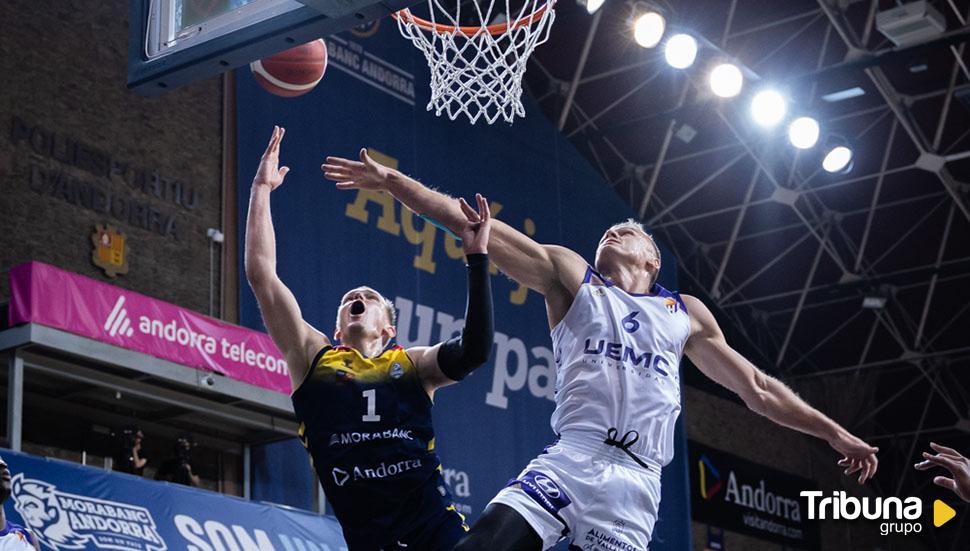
<point>373,94</point>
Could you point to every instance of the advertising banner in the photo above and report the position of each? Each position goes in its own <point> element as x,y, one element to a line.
<point>735,494</point>
<point>70,506</point>
<point>63,300</point>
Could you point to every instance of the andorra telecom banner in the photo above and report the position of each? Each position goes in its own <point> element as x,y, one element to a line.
<point>373,95</point>
<point>43,294</point>
<point>70,506</point>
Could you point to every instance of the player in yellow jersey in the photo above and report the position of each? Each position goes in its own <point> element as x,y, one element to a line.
<point>365,405</point>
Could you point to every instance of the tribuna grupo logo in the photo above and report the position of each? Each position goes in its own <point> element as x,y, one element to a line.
<point>904,511</point>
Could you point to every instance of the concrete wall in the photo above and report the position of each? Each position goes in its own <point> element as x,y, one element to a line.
<point>78,149</point>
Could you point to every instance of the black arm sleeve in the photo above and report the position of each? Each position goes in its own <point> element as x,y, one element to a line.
<point>457,357</point>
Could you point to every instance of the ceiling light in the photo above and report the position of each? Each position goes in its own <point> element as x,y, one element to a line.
<point>726,80</point>
<point>591,5</point>
<point>843,95</point>
<point>681,51</point>
<point>803,132</point>
<point>648,28</point>
<point>839,156</point>
<point>768,108</point>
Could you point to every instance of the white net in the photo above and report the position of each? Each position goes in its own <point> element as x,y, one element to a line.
<point>477,69</point>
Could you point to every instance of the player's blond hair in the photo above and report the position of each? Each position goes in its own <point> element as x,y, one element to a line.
<point>637,226</point>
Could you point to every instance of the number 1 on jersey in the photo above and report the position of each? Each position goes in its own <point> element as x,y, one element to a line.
<point>371,397</point>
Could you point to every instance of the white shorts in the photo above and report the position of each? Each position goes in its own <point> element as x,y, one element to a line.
<point>593,494</point>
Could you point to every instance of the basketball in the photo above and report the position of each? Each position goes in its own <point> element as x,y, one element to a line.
<point>293,72</point>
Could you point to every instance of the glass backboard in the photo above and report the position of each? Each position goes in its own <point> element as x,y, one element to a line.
<point>174,42</point>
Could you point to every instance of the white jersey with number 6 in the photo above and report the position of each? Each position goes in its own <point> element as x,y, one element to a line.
<point>618,359</point>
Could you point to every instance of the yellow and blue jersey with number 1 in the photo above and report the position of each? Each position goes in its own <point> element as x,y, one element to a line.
<point>367,425</point>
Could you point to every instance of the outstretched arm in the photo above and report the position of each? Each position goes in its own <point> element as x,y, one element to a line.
<point>763,394</point>
<point>281,314</point>
<point>450,361</point>
<point>550,270</point>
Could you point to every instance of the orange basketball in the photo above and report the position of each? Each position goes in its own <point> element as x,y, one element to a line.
<point>293,72</point>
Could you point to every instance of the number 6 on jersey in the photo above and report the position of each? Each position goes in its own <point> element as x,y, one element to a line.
<point>371,415</point>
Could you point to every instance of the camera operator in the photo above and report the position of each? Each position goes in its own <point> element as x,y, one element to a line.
<point>127,457</point>
<point>178,469</point>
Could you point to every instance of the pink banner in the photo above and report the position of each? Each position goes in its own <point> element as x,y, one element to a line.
<point>49,296</point>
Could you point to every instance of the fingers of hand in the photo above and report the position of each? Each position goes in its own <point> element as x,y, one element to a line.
<point>872,464</point>
<point>278,132</point>
<point>345,163</point>
<point>272,141</point>
<point>483,209</point>
<point>923,466</point>
<point>865,470</point>
<point>345,185</point>
<point>945,450</point>
<point>944,461</point>
<point>283,172</point>
<point>945,482</point>
<point>468,211</point>
<point>338,174</point>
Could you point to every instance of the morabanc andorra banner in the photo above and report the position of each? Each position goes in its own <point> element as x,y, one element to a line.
<point>70,506</point>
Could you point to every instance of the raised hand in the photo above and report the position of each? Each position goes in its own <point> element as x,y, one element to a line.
<point>474,234</point>
<point>269,172</point>
<point>951,460</point>
<point>364,174</point>
<point>859,457</point>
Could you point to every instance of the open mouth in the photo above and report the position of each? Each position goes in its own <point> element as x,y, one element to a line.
<point>357,308</point>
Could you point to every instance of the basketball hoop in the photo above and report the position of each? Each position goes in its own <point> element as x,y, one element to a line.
<point>477,69</point>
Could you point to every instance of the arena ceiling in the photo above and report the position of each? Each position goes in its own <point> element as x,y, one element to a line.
<point>784,251</point>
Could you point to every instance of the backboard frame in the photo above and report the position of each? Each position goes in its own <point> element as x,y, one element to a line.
<point>237,48</point>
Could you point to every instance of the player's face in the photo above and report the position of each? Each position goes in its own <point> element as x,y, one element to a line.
<point>623,245</point>
<point>4,480</point>
<point>362,313</point>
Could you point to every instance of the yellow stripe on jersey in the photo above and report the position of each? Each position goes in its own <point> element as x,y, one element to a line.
<point>393,363</point>
<point>301,432</point>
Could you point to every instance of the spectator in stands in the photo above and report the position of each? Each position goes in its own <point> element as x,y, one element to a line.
<point>128,458</point>
<point>178,469</point>
<point>12,536</point>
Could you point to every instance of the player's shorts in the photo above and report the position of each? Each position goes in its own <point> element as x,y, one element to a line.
<point>593,494</point>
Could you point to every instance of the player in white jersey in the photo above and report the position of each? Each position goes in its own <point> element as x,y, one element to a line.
<point>618,338</point>
<point>13,537</point>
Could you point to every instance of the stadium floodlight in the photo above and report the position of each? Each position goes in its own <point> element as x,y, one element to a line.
<point>726,80</point>
<point>649,27</point>
<point>591,5</point>
<point>803,132</point>
<point>768,108</point>
<point>839,156</point>
<point>681,51</point>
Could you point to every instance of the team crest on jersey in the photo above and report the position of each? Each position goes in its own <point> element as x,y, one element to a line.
<point>69,521</point>
<point>397,371</point>
<point>672,306</point>
<point>599,292</point>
